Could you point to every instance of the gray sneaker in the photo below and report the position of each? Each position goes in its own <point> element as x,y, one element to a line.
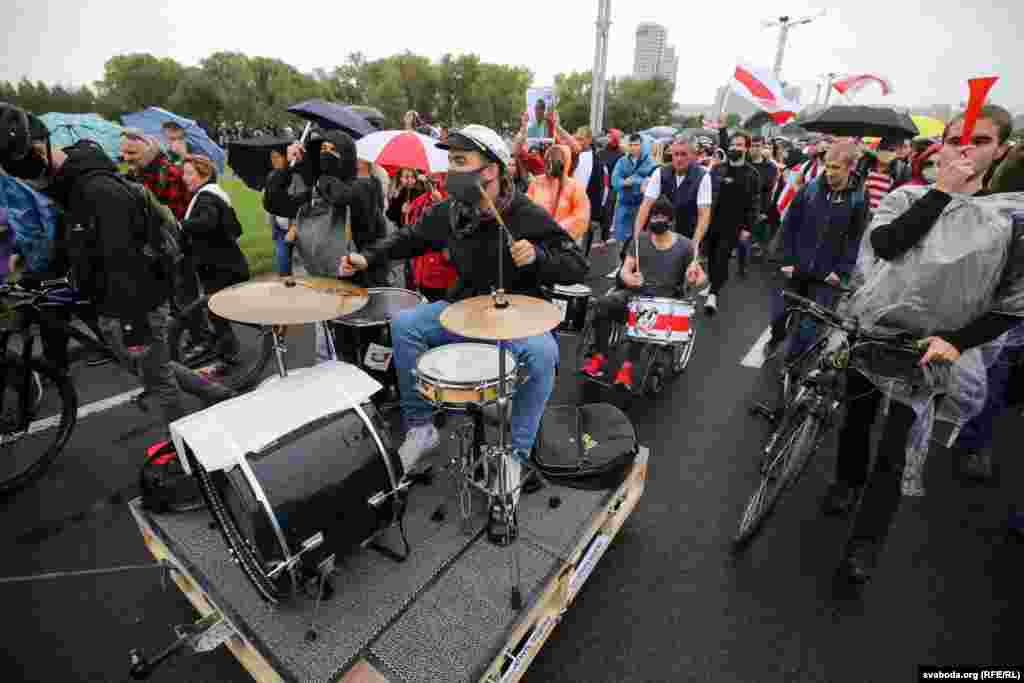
<point>418,442</point>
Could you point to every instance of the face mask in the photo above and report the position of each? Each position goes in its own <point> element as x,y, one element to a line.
<point>555,168</point>
<point>659,227</point>
<point>29,168</point>
<point>735,155</point>
<point>930,174</point>
<point>330,164</point>
<point>464,186</point>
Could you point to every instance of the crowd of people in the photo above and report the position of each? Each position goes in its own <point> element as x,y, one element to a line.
<point>829,212</point>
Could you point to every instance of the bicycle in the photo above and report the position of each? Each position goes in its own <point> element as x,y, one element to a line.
<point>27,412</point>
<point>803,419</point>
<point>242,371</point>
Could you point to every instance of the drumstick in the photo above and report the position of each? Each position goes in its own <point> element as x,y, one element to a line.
<point>501,221</point>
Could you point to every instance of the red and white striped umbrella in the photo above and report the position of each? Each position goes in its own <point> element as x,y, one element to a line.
<point>394,149</point>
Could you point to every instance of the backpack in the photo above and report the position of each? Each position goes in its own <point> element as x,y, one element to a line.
<point>160,247</point>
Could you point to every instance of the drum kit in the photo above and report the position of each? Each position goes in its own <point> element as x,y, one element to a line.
<point>309,450</point>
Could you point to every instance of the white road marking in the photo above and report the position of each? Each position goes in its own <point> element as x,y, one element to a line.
<point>86,410</point>
<point>755,357</point>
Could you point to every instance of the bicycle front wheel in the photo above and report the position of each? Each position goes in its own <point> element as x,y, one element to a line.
<point>38,409</point>
<point>781,469</point>
<point>243,370</point>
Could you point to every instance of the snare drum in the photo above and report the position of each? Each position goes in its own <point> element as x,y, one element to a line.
<point>659,320</point>
<point>363,338</point>
<point>459,374</point>
<point>573,301</point>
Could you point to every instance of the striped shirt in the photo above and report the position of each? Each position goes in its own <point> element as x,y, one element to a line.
<point>877,185</point>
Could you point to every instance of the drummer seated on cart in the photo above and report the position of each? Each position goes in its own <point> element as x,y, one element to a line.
<point>661,271</point>
<point>539,252</point>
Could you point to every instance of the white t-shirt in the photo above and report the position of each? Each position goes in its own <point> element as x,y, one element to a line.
<point>584,167</point>
<point>653,190</point>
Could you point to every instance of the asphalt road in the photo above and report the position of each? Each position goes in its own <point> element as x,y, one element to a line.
<point>667,603</point>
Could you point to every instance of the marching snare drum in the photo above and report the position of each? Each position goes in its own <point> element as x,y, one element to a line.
<point>573,300</point>
<point>458,374</point>
<point>363,338</point>
<point>659,320</point>
<point>290,482</point>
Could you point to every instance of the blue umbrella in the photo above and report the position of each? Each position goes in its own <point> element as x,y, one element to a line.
<point>67,129</point>
<point>151,119</point>
<point>333,117</point>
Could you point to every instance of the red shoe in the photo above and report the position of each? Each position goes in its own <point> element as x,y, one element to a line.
<point>595,366</point>
<point>625,375</point>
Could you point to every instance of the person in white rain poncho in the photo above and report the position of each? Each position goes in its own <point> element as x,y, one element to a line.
<point>945,263</point>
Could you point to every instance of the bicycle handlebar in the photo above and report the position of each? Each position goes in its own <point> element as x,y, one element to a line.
<point>852,325</point>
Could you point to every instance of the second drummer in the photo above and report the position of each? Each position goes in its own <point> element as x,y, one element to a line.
<point>664,258</point>
<point>541,253</point>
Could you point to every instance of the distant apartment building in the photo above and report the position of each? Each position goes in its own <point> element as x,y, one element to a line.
<point>653,55</point>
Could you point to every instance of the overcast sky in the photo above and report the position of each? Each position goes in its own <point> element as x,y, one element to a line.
<point>928,48</point>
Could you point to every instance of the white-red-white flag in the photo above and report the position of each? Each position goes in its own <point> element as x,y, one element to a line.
<point>759,87</point>
<point>854,83</point>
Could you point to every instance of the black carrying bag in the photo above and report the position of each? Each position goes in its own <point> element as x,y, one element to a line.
<point>585,447</point>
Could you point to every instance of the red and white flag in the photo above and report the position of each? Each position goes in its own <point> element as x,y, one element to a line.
<point>854,83</point>
<point>759,87</point>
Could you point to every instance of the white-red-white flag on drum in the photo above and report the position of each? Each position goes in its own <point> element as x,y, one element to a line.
<point>759,87</point>
<point>854,83</point>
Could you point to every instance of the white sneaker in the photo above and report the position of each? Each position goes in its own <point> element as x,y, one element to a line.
<point>705,291</point>
<point>711,305</point>
<point>418,441</point>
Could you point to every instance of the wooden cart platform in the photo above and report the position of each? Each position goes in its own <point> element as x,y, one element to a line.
<point>443,615</point>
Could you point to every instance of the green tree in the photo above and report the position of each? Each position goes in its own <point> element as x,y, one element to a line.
<point>573,92</point>
<point>460,100</point>
<point>503,88</point>
<point>136,81</point>
<point>197,97</point>
<point>636,104</point>
<point>231,74</point>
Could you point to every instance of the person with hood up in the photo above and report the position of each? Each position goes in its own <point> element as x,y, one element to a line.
<point>213,230</point>
<point>561,195</point>
<point>332,207</point>
<point>107,245</point>
<point>536,252</point>
<point>627,180</point>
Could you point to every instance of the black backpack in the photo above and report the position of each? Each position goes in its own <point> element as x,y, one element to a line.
<point>160,244</point>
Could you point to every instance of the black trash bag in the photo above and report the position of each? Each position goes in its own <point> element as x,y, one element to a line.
<point>585,447</point>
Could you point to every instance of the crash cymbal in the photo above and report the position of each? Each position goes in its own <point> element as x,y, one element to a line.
<point>480,318</point>
<point>285,301</point>
<point>323,284</point>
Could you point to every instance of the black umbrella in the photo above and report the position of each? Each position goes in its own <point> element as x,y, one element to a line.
<point>250,159</point>
<point>374,116</point>
<point>860,122</point>
<point>333,117</point>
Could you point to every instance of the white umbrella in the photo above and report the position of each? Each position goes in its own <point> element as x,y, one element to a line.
<point>394,149</point>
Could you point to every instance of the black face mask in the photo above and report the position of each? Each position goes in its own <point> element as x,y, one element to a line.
<point>330,164</point>
<point>29,168</point>
<point>735,154</point>
<point>659,227</point>
<point>555,168</point>
<point>464,187</point>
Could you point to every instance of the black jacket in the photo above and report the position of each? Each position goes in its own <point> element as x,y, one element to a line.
<point>127,284</point>
<point>558,261</point>
<point>218,258</point>
<point>738,200</point>
<point>767,173</point>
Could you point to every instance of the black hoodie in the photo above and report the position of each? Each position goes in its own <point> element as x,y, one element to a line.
<point>124,283</point>
<point>339,187</point>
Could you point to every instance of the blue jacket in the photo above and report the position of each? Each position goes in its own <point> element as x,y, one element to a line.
<point>32,217</point>
<point>639,170</point>
<point>821,233</point>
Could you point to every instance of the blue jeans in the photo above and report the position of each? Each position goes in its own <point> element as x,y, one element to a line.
<point>418,329</point>
<point>807,328</point>
<point>283,256</point>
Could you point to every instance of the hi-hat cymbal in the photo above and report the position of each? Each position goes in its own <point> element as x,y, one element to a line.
<point>286,301</point>
<point>480,318</point>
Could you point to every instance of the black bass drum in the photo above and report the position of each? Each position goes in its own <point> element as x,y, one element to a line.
<point>323,489</point>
